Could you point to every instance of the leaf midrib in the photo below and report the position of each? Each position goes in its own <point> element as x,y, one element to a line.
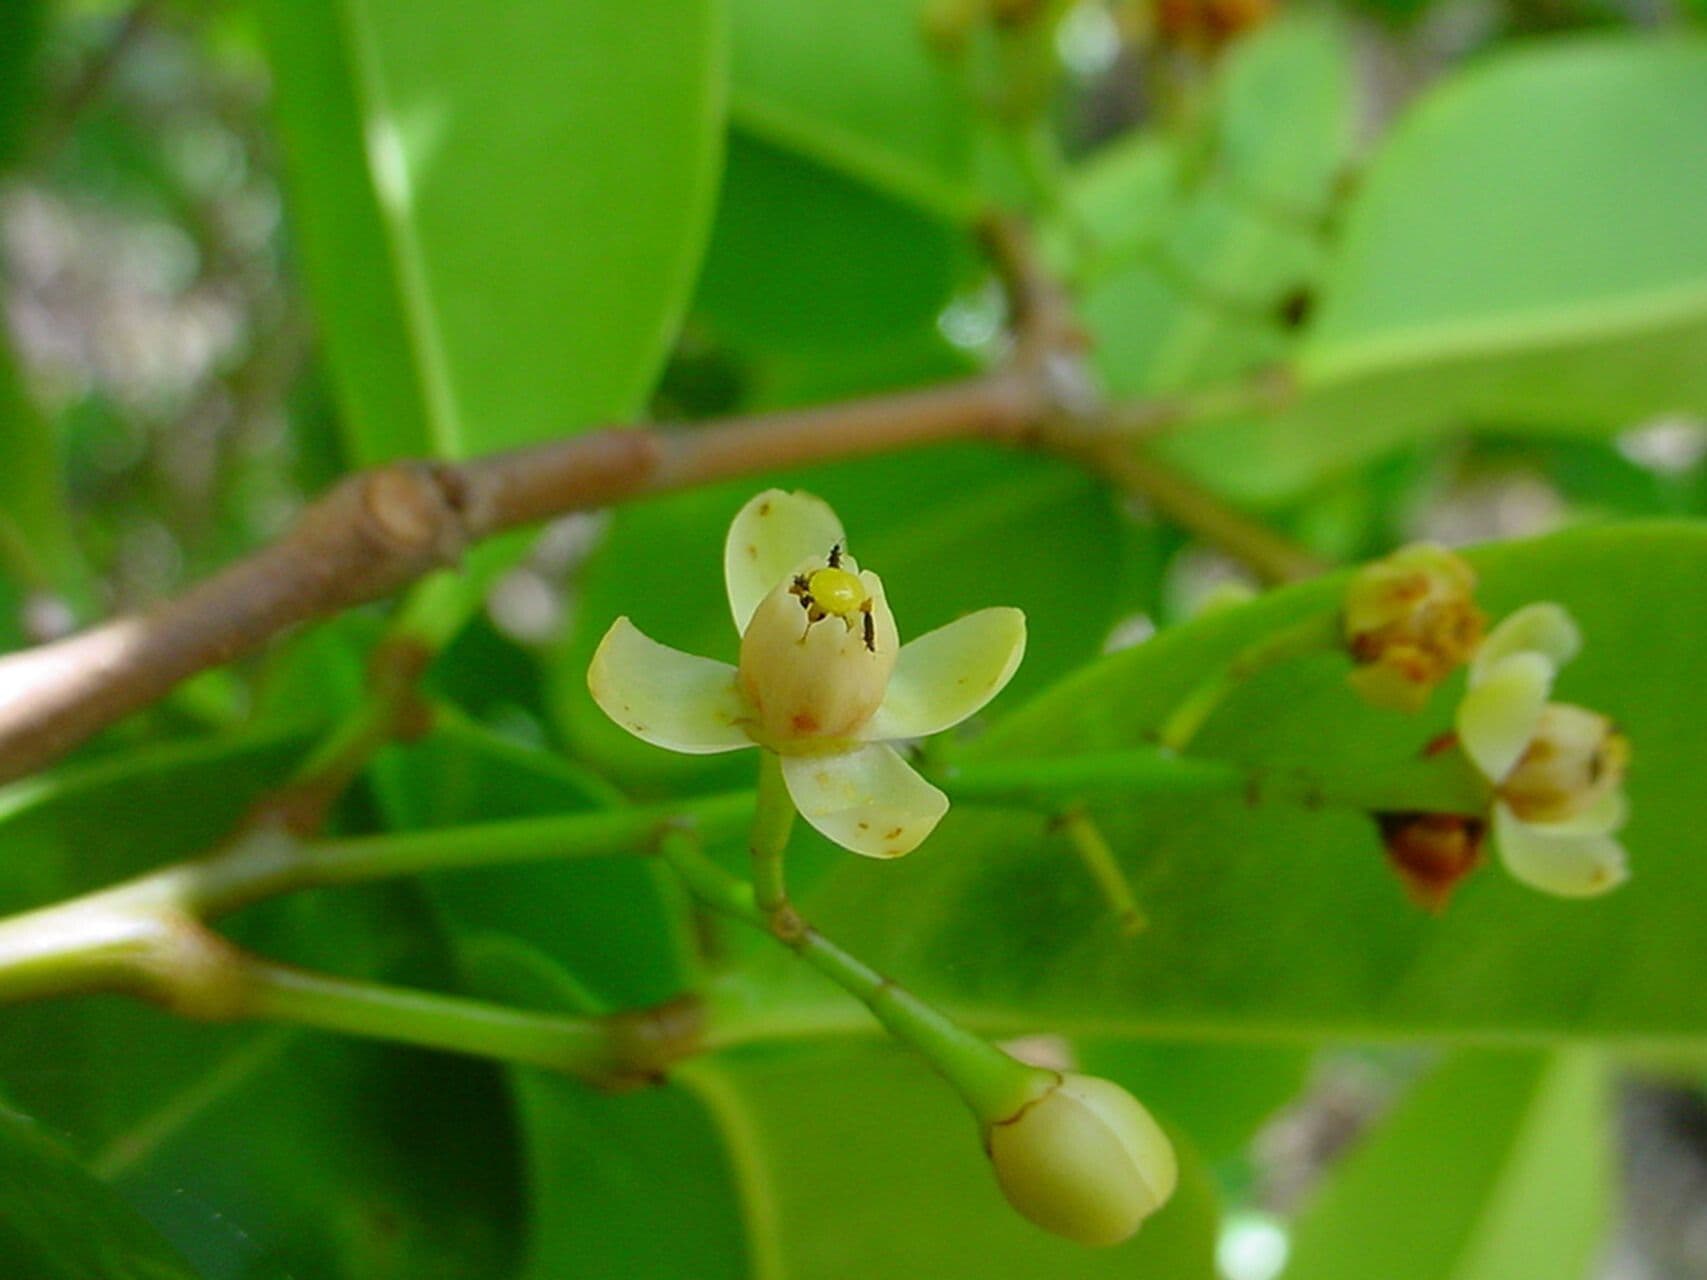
<point>408,258</point>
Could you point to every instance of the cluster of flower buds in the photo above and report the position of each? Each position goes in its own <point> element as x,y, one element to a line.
<point>1556,770</point>
<point>823,680</point>
<point>1410,620</point>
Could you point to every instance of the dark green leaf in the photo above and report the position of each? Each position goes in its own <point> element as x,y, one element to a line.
<point>616,925</point>
<point>22,25</point>
<point>260,1152</point>
<point>61,1223</point>
<point>852,134</point>
<point>856,88</point>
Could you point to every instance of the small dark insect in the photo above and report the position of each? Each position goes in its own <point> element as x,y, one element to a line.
<point>845,598</point>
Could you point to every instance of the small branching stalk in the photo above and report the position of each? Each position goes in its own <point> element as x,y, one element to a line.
<point>1103,865</point>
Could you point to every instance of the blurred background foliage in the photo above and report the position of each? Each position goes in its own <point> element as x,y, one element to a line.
<point>245,247</point>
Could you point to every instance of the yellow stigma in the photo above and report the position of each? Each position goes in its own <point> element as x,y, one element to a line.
<point>836,591</point>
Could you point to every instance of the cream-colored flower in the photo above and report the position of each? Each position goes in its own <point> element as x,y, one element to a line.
<point>1410,621</point>
<point>823,679</point>
<point>1557,769</point>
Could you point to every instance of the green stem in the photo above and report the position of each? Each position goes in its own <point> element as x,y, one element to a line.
<point>98,943</point>
<point>1312,635</point>
<point>1187,503</point>
<point>993,1084</point>
<point>579,1046</point>
<point>266,863</point>
<point>773,823</point>
<point>228,883</point>
<point>1098,858</point>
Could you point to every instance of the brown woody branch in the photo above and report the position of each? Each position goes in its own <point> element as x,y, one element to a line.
<point>379,530</point>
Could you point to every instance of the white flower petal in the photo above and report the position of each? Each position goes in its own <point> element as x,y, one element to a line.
<point>868,800</point>
<point>1499,714</point>
<point>768,539</point>
<point>667,697</point>
<point>1543,628</point>
<point>1606,815</point>
<point>1571,866</point>
<point>948,674</point>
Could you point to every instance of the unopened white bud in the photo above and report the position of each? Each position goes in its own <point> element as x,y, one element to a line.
<point>1410,620</point>
<point>1085,1161</point>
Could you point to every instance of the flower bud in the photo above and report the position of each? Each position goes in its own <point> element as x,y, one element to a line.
<point>1573,763</point>
<point>817,655</point>
<point>1410,620</point>
<point>1085,1161</point>
<point>1432,852</point>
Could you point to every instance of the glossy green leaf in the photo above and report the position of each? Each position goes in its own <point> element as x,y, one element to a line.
<point>848,1159</point>
<point>61,1223</point>
<point>496,267</point>
<point>1279,920</point>
<point>1525,252</point>
<point>1497,1167</point>
<point>1436,266</point>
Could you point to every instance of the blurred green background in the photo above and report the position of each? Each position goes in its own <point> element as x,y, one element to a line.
<point>245,247</point>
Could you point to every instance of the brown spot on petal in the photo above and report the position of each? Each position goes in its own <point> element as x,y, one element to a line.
<point>765,507</point>
<point>892,835</point>
<point>805,722</point>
